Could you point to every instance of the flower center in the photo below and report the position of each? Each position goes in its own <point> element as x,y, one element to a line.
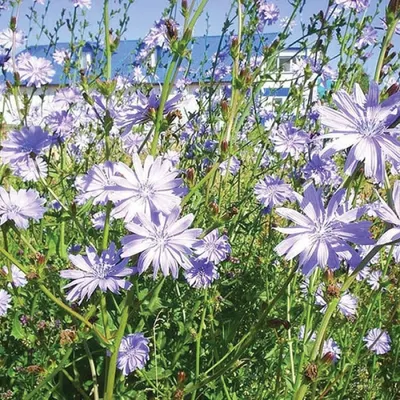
<point>210,246</point>
<point>323,231</point>
<point>371,127</point>
<point>161,239</point>
<point>146,190</point>
<point>102,270</point>
<point>14,209</point>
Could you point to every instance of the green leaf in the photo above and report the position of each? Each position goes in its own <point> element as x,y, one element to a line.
<point>17,330</point>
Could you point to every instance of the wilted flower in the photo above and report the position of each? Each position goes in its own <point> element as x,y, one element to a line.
<point>362,124</point>
<point>163,241</point>
<point>321,236</point>
<point>153,187</point>
<point>378,341</point>
<point>106,272</point>
<point>201,274</point>
<point>19,206</point>
<point>5,300</point>
<point>212,247</point>
<point>272,191</point>
<point>133,353</point>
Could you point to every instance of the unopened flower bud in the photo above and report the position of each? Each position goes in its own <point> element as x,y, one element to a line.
<point>184,6</point>
<point>40,258</point>
<point>214,207</point>
<point>224,146</point>
<point>329,357</point>
<point>235,47</point>
<point>224,108</point>
<point>394,6</point>
<point>32,275</point>
<point>393,89</point>
<point>190,174</point>
<point>329,276</point>
<point>181,376</point>
<point>172,32</point>
<point>13,23</point>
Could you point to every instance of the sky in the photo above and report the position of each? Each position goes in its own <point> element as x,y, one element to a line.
<point>143,13</point>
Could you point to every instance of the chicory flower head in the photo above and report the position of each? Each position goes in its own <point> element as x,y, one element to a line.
<point>321,235</point>
<point>107,272</point>
<point>163,241</point>
<point>378,341</point>
<point>272,191</point>
<point>20,206</point>
<point>133,353</point>
<point>153,187</point>
<point>213,248</point>
<point>362,124</point>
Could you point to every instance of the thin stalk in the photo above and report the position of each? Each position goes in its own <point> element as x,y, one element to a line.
<point>76,385</point>
<point>106,16</point>
<point>386,41</point>
<point>198,341</point>
<point>92,371</point>
<point>289,332</point>
<point>106,232</point>
<point>168,78</point>
<point>112,369</point>
<point>163,99</point>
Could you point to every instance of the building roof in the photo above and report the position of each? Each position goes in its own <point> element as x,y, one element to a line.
<point>197,67</point>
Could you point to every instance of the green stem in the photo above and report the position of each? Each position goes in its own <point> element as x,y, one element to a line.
<point>92,371</point>
<point>106,232</point>
<point>106,16</point>
<point>290,341</point>
<point>196,187</point>
<point>160,111</point>
<point>112,369</point>
<point>386,41</point>
<point>168,78</point>
<point>198,341</point>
